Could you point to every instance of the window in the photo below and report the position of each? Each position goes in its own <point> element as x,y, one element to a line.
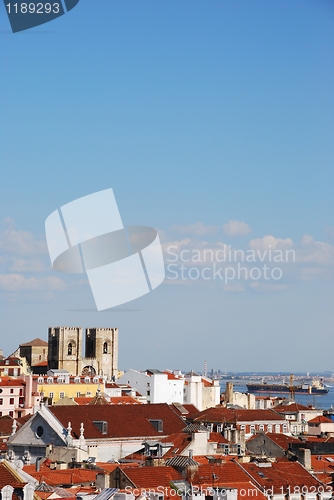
<point>101,425</point>
<point>252,429</point>
<point>285,428</point>
<point>0,413</point>
<point>78,394</point>
<point>39,431</point>
<point>11,414</point>
<point>50,380</point>
<point>77,380</point>
<point>51,395</point>
<point>62,395</point>
<point>1,401</point>
<point>69,349</point>
<point>269,428</point>
<point>157,424</point>
<point>105,348</point>
<point>87,380</point>
<point>11,401</point>
<point>219,427</point>
<point>148,393</point>
<point>40,380</point>
<point>11,391</point>
<point>242,427</point>
<point>277,428</point>
<point>261,427</point>
<point>88,393</point>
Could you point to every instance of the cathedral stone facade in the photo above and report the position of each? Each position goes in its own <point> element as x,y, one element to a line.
<point>101,350</point>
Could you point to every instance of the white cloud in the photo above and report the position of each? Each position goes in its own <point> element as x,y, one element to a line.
<point>21,243</point>
<point>330,231</point>
<point>20,265</point>
<point>269,242</point>
<point>15,282</point>
<point>236,228</point>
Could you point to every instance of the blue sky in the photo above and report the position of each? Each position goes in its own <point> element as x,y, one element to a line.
<point>194,113</point>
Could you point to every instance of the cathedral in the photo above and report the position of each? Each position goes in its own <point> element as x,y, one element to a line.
<point>65,351</point>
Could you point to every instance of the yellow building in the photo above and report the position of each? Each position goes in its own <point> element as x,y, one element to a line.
<point>60,386</point>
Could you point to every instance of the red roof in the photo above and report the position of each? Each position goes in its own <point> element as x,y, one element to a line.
<point>123,420</point>
<point>11,382</point>
<point>6,423</point>
<point>320,420</point>
<point>217,437</point>
<point>37,342</point>
<point>180,441</point>
<point>123,400</point>
<point>280,439</point>
<point>9,477</point>
<point>220,414</point>
<point>171,376</point>
<point>151,477</point>
<point>281,474</point>
<point>62,477</point>
<point>216,475</point>
<point>292,408</point>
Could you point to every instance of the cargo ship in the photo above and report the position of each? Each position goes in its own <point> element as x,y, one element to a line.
<point>317,388</point>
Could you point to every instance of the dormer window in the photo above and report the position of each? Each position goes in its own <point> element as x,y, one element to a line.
<point>101,425</point>
<point>157,424</point>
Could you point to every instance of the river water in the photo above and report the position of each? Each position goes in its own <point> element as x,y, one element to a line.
<point>322,402</point>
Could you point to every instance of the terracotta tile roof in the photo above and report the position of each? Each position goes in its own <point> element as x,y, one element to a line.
<point>216,437</point>
<point>291,408</point>
<point>37,342</point>
<point>171,376</point>
<point>320,420</point>
<point>186,410</point>
<point>280,439</point>
<point>9,476</point>
<point>6,423</point>
<point>123,420</point>
<point>82,401</point>
<point>64,477</point>
<point>216,475</point>
<point>323,463</point>
<point>123,400</point>
<point>219,414</point>
<point>248,491</point>
<point>11,361</point>
<point>281,474</point>
<point>152,477</point>
<point>180,441</point>
<point>11,382</point>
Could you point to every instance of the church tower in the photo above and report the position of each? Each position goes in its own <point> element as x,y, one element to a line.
<point>65,348</point>
<point>101,349</point>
